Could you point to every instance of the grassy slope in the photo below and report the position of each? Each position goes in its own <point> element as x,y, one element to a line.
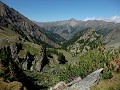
<point>7,36</point>
<point>34,49</point>
<point>67,55</point>
<point>110,84</point>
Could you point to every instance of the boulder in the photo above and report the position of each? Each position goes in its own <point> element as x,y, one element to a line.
<point>88,81</point>
<point>76,80</point>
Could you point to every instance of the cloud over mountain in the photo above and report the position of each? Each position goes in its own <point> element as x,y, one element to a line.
<point>115,19</point>
<point>89,18</point>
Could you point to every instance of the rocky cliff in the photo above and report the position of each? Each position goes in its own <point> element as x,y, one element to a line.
<point>26,58</point>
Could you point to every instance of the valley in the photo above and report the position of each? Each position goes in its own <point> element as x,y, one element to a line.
<point>39,55</point>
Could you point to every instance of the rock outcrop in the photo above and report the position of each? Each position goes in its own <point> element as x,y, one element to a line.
<point>87,82</point>
<point>11,69</point>
<point>30,61</point>
<point>80,84</point>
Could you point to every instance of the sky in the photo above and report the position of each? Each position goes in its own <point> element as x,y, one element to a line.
<point>57,10</point>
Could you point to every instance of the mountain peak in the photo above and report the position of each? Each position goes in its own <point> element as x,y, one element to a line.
<point>72,22</point>
<point>72,19</point>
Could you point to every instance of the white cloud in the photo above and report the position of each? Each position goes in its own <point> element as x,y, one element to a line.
<point>115,19</point>
<point>89,18</point>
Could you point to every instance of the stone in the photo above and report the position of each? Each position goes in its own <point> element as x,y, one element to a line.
<point>76,80</point>
<point>87,82</point>
<point>60,86</point>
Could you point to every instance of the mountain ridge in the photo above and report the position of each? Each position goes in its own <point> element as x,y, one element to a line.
<point>68,28</point>
<point>16,22</point>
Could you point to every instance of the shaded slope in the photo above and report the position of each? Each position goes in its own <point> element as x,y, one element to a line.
<point>13,20</point>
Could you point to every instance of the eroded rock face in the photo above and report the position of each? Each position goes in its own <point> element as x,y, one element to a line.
<point>28,62</point>
<point>80,84</point>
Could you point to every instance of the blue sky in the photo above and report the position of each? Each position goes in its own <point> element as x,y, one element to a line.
<point>56,10</point>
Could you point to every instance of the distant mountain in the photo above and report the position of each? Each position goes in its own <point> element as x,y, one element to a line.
<point>90,38</point>
<point>112,39</point>
<point>68,28</point>
<point>14,23</point>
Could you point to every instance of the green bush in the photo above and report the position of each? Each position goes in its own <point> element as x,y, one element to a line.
<point>107,74</point>
<point>61,58</point>
<point>86,64</point>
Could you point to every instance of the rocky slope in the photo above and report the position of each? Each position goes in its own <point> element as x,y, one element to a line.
<point>11,66</point>
<point>29,64</point>
<point>15,22</point>
<point>82,42</point>
<point>112,38</point>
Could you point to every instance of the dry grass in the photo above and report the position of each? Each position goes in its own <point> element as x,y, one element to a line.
<point>7,36</point>
<point>11,85</point>
<point>111,84</point>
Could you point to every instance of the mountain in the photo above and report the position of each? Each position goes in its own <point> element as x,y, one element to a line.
<point>68,28</point>
<point>90,38</point>
<point>12,23</point>
<point>112,39</point>
<point>82,42</point>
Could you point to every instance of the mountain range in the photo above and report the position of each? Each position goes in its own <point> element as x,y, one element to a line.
<point>70,28</point>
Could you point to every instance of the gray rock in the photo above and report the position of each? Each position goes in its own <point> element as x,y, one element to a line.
<point>87,82</point>
<point>13,49</point>
<point>80,84</point>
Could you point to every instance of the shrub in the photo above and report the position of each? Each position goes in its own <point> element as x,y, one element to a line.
<point>61,58</point>
<point>107,74</point>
